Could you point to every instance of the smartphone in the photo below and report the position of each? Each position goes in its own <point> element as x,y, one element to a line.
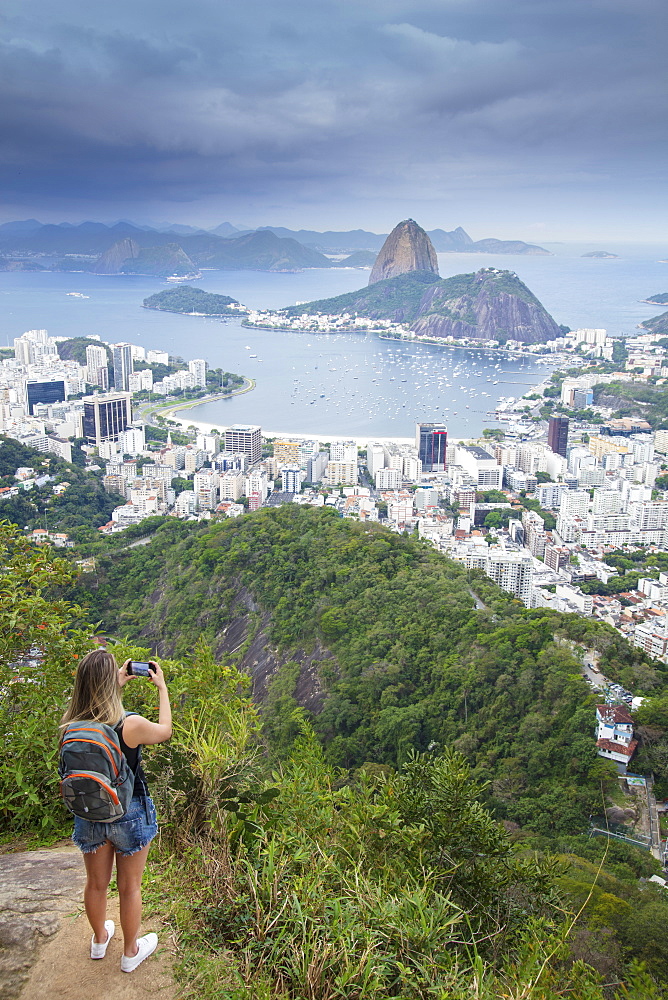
<point>140,668</point>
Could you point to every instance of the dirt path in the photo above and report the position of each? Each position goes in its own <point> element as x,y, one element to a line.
<point>45,937</point>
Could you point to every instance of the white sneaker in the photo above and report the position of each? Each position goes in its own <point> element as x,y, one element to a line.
<point>97,949</point>
<point>145,946</point>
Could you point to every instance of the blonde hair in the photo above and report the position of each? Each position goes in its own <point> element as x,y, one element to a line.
<point>97,693</point>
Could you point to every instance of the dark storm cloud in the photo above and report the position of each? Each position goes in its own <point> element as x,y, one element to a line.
<point>322,100</point>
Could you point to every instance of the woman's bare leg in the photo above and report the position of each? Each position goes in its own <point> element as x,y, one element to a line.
<point>129,871</point>
<point>99,865</point>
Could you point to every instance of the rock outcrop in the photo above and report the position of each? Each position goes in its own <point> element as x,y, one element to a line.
<point>113,259</point>
<point>407,248</point>
<point>37,889</point>
<point>127,257</point>
<point>493,305</point>
<point>162,262</point>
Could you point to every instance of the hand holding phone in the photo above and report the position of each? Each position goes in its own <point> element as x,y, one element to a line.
<point>140,668</point>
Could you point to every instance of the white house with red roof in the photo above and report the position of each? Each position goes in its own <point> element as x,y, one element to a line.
<point>614,736</point>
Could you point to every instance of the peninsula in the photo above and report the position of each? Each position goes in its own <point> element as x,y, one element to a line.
<point>489,304</point>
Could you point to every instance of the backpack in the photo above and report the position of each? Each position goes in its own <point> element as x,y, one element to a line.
<point>95,778</point>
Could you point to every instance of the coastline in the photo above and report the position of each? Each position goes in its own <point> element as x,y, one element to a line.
<point>407,339</point>
<point>170,409</point>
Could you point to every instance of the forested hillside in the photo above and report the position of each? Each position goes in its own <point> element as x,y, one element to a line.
<point>281,875</point>
<point>380,637</point>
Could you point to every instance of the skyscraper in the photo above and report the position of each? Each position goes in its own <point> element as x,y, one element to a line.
<point>106,416</point>
<point>52,390</point>
<point>96,366</point>
<point>198,368</point>
<point>122,367</point>
<point>431,441</point>
<point>245,438</point>
<point>557,435</point>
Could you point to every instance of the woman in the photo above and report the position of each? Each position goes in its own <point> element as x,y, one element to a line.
<point>97,695</point>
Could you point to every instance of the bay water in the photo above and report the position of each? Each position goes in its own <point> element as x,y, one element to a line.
<point>329,385</point>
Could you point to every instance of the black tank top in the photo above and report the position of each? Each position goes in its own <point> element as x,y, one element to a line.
<point>133,757</point>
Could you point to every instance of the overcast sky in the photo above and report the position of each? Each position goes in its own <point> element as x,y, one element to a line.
<point>530,119</point>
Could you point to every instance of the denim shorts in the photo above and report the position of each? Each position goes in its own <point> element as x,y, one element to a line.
<point>128,835</point>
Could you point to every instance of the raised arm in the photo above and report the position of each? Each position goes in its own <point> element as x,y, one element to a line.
<point>137,729</point>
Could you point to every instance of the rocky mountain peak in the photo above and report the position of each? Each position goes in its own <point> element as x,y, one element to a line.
<point>407,248</point>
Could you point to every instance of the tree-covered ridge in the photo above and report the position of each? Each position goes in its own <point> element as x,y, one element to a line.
<point>405,660</point>
<point>382,300</point>
<point>186,299</point>
<point>635,399</point>
<point>659,300</point>
<point>657,324</point>
<point>418,293</point>
<point>82,507</point>
<point>74,349</point>
<point>288,877</point>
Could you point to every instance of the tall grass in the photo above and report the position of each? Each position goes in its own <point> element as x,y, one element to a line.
<point>300,883</point>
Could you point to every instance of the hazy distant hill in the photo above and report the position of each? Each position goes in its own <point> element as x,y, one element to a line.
<point>456,241</point>
<point>360,258</point>
<point>221,247</point>
<point>154,250</point>
<point>126,257</point>
<point>163,262</point>
<point>487,305</point>
<point>258,251</point>
<point>87,238</point>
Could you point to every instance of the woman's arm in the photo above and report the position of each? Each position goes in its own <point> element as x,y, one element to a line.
<point>137,729</point>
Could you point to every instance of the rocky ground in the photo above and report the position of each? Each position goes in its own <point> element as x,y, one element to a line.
<point>45,937</point>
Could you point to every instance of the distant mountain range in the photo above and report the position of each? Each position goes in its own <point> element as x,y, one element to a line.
<point>28,243</point>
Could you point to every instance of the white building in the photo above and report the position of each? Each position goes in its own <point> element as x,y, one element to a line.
<point>511,571</point>
<point>157,357</point>
<point>292,478</point>
<point>96,366</point>
<point>132,441</point>
<point>185,504</point>
<point>426,497</point>
<point>549,495</point>
<point>205,486</point>
<point>652,636</point>
<point>614,736</point>
<point>210,443</point>
<point>198,368</point>
<point>342,471</point>
<point>400,508</point>
<point>482,468</point>
<point>375,458</point>
<point>257,483</point>
<point>388,479</point>
<point>231,485</point>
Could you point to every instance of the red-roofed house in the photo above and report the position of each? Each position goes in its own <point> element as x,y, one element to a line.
<point>615,733</point>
